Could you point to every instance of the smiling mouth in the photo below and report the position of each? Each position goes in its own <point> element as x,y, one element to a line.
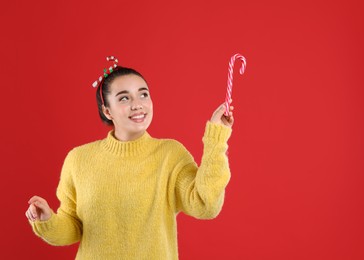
<point>138,118</point>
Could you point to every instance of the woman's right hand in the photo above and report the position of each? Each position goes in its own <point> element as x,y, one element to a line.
<point>38,209</point>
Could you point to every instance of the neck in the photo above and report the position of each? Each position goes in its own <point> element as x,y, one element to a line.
<point>127,148</point>
<point>125,137</point>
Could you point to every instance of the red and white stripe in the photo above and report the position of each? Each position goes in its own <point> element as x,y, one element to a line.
<point>108,58</point>
<point>230,79</point>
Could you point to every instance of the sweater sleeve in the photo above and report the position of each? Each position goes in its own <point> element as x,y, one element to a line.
<point>200,191</point>
<point>64,227</point>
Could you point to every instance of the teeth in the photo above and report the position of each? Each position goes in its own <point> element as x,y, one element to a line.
<point>138,117</point>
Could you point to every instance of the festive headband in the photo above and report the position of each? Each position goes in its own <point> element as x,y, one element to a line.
<point>105,75</point>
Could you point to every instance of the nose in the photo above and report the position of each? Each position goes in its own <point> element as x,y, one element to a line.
<point>136,106</point>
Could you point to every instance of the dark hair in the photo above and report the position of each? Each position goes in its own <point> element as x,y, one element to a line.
<point>105,85</point>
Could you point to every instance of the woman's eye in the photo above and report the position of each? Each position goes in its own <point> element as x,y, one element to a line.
<point>144,95</point>
<point>124,98</point>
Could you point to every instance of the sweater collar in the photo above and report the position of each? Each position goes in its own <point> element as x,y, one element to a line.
<point>126,148</point>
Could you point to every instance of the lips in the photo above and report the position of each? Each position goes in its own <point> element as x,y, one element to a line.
<point>139,117</point>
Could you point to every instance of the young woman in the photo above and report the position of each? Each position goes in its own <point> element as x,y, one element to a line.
<point>120,196</point>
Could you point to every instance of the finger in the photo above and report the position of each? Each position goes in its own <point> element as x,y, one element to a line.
<point>227,120</point>
<point>230,101</point>
<point>35,198</point>
<point>224,121</point>
<point>231,108</point>
<point>231,120</point>
<point>231,116</point>
<point>41,205</point>
<point>32,218</point>
<point>29,215</point>
<point>33,211</point>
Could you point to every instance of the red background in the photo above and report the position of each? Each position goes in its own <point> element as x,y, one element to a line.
<point>296,153</point>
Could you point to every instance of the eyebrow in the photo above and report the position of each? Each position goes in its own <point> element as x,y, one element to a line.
<point>126,92</point>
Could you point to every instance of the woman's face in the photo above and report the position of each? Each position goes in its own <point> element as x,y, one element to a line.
<point>130,107</point>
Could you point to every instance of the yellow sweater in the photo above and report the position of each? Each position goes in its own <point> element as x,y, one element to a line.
<point>121,199</point>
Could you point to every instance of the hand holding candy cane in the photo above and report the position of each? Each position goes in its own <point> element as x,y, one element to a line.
<point>219,118</point>
<point>230,79</point>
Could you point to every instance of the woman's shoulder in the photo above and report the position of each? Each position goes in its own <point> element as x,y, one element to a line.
<point>170,144</point>
<point>85,148</point>
<point>174,151</point>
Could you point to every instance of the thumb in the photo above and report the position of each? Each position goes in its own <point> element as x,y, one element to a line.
<point>223,107</point>
<point>220,111</point>
<point>216,116</point>
<point>42,206</point>
<point>45,212</point>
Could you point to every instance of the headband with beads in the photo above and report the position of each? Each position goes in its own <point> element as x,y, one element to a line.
<point>105,75</point>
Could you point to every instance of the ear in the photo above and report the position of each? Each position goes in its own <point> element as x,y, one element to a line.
<point>106,112</point>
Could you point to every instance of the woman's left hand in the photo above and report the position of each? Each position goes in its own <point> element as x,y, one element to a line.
<point>218,116</point>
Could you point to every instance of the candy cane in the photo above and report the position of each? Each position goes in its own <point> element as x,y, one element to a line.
<point>108,58</point>
<point>105,75</point>
<point>230,79</point>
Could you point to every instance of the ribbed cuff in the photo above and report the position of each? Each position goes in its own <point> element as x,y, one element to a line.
<point>40,227</point>
<point>217,132</point>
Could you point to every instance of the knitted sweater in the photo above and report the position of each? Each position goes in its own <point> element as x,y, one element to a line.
<point>121,199</point>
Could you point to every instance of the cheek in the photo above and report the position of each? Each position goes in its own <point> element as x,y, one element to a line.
<point>124,110</point>
<point>119,109</point>
<point>149,105</point>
